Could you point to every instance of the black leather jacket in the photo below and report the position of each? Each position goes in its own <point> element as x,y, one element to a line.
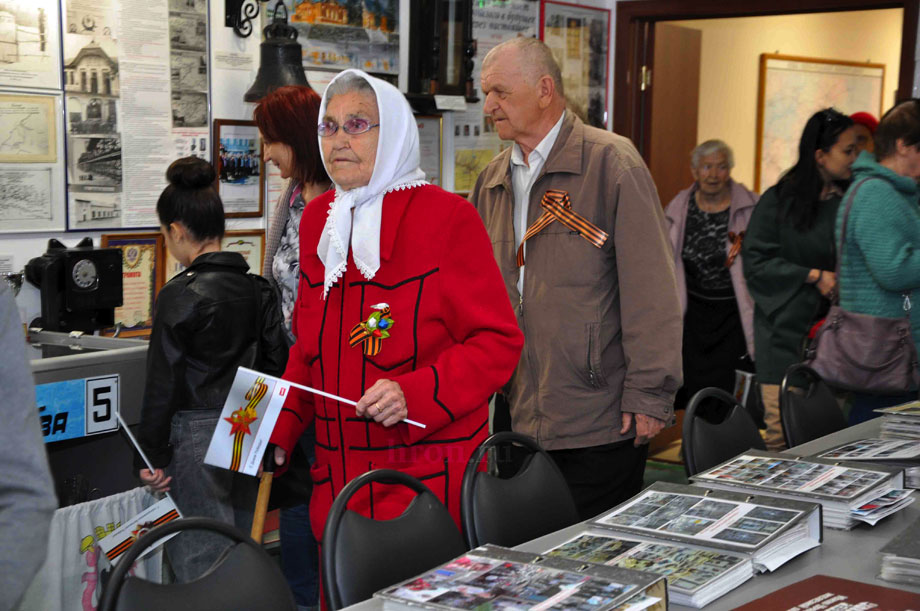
<point>209,320</point>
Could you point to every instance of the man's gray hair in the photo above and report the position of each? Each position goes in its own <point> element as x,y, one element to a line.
<point>537,59</point>
<point>347,84</point>
<point>711,147</point>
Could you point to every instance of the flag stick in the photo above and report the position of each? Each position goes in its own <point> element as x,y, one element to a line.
<point>328,395</point>
<point>137,447</point>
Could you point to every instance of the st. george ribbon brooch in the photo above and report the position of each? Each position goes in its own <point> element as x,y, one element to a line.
<point>372,331</point>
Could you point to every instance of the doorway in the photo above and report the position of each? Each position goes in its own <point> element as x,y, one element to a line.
<point>655,104</point>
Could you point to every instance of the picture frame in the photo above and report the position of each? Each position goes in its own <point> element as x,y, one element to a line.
<point>248,242</point>
<point>579,37</point>
<point>847,86</point>
<point>431,146</point>
<point>143,274</point>
<point>237,160</point>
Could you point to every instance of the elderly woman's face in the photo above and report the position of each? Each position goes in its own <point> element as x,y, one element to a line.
<point>350,158</point>
<point>713,173</point>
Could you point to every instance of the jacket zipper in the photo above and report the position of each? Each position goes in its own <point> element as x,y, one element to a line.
<point>592,376</point>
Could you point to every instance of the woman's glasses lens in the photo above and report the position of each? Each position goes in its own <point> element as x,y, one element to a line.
<point>352,127</point>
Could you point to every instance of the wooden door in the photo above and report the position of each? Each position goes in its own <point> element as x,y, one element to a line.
<point>675,92</point>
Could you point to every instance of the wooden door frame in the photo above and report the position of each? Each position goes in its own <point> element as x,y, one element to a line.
<point>634,21</point>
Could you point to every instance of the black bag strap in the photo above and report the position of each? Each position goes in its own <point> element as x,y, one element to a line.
<point>843,240</point>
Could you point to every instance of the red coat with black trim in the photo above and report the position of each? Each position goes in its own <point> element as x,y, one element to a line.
<point>453,342</point>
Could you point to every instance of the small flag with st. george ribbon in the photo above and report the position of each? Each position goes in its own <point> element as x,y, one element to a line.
<point>123,537</point>
<point>246,422</point>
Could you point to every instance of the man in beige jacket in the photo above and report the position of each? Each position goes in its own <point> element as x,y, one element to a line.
<point>580,238</point>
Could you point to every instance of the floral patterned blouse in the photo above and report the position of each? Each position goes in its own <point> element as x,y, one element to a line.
<point>286,264</point>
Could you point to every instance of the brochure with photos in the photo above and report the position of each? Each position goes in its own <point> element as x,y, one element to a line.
<point>766,530</point>
<point>492,578</point>
<point>903,453</point>
<point>849,492</point>
<point>900,421</point>
<point>696,576</point>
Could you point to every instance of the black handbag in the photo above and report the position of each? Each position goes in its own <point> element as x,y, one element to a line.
<point>861,352</point>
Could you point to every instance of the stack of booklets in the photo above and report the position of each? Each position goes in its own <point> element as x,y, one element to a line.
<point>901,421</point>
<point>901,453</point>
<point>901,557</point>
<point>706,542</point>
<point>849,492</point>
<point>500,579</point>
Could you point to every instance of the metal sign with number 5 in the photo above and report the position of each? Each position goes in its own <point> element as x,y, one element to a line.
<point>101,404</point>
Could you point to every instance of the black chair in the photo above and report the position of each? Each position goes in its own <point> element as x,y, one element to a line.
<point>534,502</point>
<point>244,578</point>
<point>362,555</point>
<point>808,411</point>
<point>706,444</point>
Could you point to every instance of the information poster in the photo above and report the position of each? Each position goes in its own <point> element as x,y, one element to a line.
<point>30,44</point>
<point>475,139</point>
<point>136,97</point>
<point>31,162</point>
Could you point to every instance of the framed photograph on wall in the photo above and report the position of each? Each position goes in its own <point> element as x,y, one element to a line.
<point>142,261</point>
<point>237,159</point>
<point>579,37</point>
<point>248,242</point>
<point>431,146</point>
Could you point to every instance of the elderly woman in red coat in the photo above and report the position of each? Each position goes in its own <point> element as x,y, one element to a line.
<point>400,306</point>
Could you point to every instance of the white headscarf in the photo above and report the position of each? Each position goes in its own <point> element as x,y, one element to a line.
<point>396,167</point>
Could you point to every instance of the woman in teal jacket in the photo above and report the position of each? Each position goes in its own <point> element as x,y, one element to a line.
<point>789,253</point>
<point>880,263</point>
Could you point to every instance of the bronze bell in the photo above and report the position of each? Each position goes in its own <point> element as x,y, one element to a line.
<point>281,59</point>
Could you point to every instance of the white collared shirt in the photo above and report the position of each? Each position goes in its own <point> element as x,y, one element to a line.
<point>523,175</point>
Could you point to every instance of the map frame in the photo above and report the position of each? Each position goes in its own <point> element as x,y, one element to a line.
<point>838,71</point>
<point>46,106</point>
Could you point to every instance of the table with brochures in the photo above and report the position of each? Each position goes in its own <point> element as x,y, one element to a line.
<point>850,554</point>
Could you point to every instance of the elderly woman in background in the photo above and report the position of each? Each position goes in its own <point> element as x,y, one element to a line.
<point>287,119</point>
<point>706,225</point>
<point>400,306</point>
<point>789,254</point>
<point>880,263</point>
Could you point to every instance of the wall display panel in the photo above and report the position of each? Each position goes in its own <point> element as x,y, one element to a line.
<point>344,34</point>
<point>30,44</point>
<point>136,89</point>
<point>430,142</point>
<point>579,37</point>
<point>31,162</point>
<point>475,140</point>
<point>792,89</point>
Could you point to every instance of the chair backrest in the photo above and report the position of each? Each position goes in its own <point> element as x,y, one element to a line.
<point>706,444</point>
<point>810,412</point>
<point>362,555</point>
<point>534,502</point>
<point>228,584</point>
